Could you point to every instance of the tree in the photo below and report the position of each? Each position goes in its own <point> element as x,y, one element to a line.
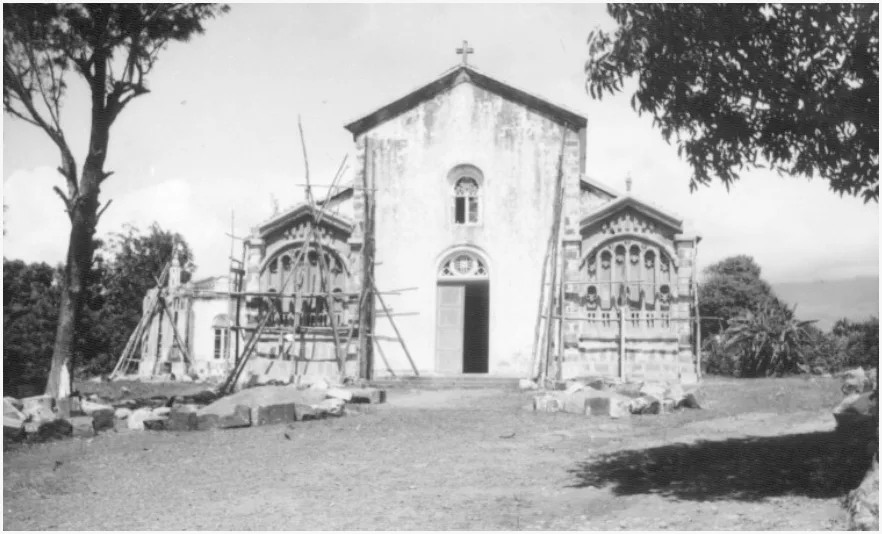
<point>132,262</point>
<point>113,47</point>
<point>791,86</point>
<point>731,287</point>
<point>31,294</point>
<point>859,342</point>
<point>768,341</point>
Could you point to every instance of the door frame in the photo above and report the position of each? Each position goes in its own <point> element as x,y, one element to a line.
<point>446,255</point>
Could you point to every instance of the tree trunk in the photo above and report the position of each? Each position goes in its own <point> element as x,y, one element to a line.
<point>76,271</point>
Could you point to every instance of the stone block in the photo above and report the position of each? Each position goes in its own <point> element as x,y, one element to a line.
<point>368,396</point>
<point>103,419</point>
<point>156,423</point>
<point>330,407</point>
<point>90,407</point>
<point>273,414</point>
<point>83,426</point>
<point>183,418</point>
<point>239,416</point>
<point>135,421</point>
<point>546,403</point>
<point>47,429</point>
<point>339,393</point>
<point>39,407</point>
<point>575,403</point>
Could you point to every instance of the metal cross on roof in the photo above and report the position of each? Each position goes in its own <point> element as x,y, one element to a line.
<point>465,51</point>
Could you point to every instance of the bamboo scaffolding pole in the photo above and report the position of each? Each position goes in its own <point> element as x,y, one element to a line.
<point>556,252</point>
<point>394,327</point>
<point>177,337</point>
<point>383,356</point>
<point>136,338</point>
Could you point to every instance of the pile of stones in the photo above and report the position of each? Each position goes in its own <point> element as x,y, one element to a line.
<point>610,398</point>
<point>42,418</point>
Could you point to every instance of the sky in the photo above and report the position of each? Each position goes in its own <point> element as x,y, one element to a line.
<point>218,133</point>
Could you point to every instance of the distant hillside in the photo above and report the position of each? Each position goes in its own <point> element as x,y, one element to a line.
<point>829,300</point>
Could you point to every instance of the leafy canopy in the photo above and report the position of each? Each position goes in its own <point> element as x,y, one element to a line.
<point>792,86</point>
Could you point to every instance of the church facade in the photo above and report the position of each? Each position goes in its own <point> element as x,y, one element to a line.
<point>463,174</point>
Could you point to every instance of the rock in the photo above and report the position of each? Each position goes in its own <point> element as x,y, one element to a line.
<point>863,502</point>
<point>17,404</point>
<point>688,401</point>
<point>69,407</point>
<point>574,387</point>
<point>607,404</point>
<point>237,417</point>
<point>39,407</point>
<point>48,429</point>
<point>675,392</point>
<point>275,413</point>
<point>329,407</point>
<point>546,403</point>
<point>629,389</point>
<point>103,419</point>
<point>90,407</point>
<point>368,396</point>
<point>320,385</point>
<point>342,394</point>
<point>645,406</point>
<point>122,413</point>
<point>13,418</point>
<point>156,422</point>
<point>525,384</point>
<point>653,389</point>
<point>162,411</point>
<point>82,426</point>
<point>856,381</point>
<point>183,418</point>
<point>136,419</point>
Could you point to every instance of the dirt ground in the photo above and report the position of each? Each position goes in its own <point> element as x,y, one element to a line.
<point>761,455</point>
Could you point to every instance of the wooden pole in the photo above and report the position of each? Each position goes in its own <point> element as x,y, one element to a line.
<point>555,265</point>
<point>397,333</point>
<point>536,361</point>
<point>383,355</point>
<point>184,352</point>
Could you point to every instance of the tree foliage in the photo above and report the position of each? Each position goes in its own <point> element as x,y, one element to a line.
<point>126,266</point>
<point>731,287</point>
<point>113,48</point>
<point>768,341</point>
<point>31,293</point>
<point>132,261</point>
<point>791,86</point>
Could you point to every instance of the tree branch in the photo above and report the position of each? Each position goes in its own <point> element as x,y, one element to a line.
<point>102,210</point>
<point>68,205</point>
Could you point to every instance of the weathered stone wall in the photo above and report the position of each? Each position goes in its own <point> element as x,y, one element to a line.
<point>410,156</point>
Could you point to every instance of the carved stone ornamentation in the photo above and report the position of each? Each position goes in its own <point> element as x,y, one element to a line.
<point>629,222</point>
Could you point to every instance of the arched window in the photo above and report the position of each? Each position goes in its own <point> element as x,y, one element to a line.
<point>467,201</point>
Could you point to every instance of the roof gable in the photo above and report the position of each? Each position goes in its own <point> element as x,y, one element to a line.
<point>300,211</point>
<point>657,215</point>
<point>466,74</point>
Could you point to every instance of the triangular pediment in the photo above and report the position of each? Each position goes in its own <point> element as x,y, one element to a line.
<point>301,213</point>
<point>632,216</point>
<point>466,74</point>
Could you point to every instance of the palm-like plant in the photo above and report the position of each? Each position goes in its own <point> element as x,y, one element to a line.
<point>769,340</point>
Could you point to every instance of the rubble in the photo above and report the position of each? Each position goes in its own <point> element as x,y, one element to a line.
<point>612,398</point>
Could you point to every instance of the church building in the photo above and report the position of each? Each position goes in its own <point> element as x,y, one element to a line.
<point>462,176</point>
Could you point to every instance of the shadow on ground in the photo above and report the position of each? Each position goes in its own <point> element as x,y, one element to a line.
<point>815,465</point>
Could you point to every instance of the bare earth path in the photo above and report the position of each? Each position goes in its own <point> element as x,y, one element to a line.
<point>761,456</point>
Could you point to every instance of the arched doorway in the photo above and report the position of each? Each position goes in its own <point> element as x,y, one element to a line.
<point>462,339</point>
